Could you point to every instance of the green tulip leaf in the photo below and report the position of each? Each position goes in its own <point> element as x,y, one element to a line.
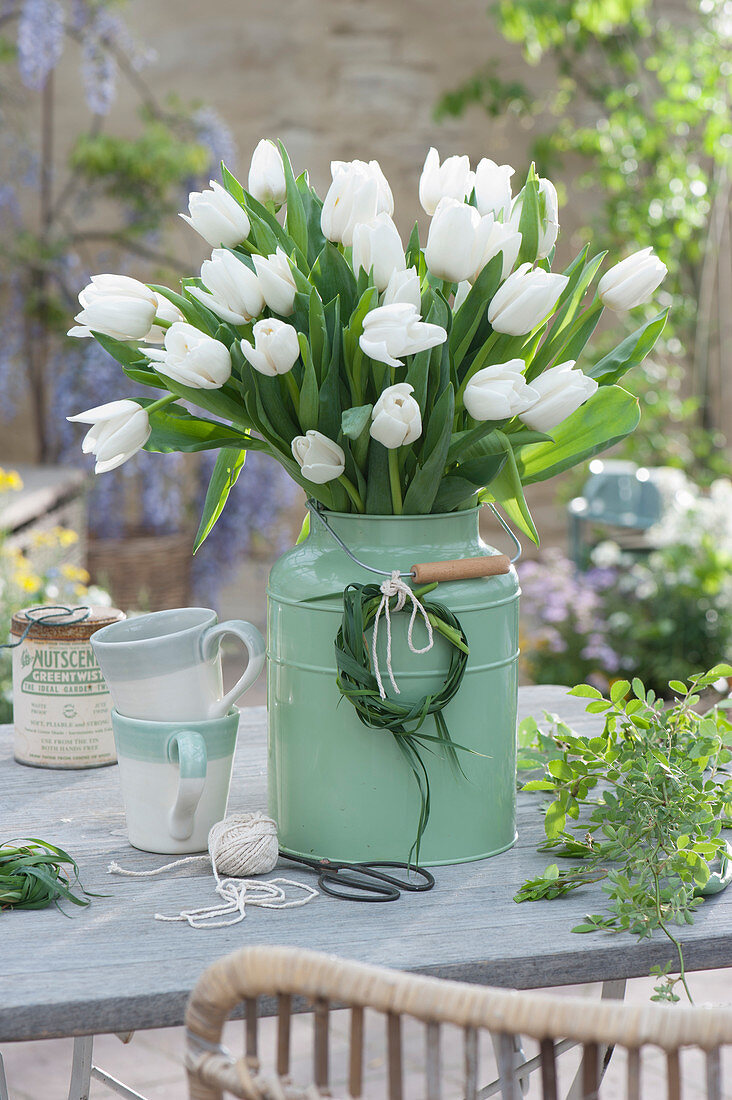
<point>333,278</point>
<point>629,353</point>
<point>606,418</point>
<point>229,464</point>
<point>354,421</point>
<point>175,429</point>
<point>296,220</point>
<point>420,495</point>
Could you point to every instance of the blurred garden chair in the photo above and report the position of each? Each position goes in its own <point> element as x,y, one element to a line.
<point>616,495</point>
<point>290,980</point>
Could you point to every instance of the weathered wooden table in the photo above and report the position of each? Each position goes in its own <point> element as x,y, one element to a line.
<point>113,968</point>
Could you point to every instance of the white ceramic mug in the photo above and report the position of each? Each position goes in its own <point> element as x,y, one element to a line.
<point>166,666</point>
<point>175,779</point>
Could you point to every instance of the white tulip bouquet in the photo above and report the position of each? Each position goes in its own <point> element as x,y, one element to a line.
<point>384,379</point>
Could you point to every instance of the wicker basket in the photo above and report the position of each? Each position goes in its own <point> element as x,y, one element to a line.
<point>143,572</point>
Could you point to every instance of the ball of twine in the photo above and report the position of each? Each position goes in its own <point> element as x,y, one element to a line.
<point>243,845</point>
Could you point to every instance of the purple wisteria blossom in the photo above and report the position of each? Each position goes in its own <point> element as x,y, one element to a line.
<point>212,131</point>
<point>40,41</point>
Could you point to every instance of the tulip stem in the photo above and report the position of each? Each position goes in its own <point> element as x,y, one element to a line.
<point>294,393</point>
<point>160,403</point>
<point>395,482</point>
<point>352,492</point>
<point>162,323</point>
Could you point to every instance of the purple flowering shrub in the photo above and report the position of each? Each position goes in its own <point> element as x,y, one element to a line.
<point>665,615</point>
<point>564,628</point>
<point>160,495</point>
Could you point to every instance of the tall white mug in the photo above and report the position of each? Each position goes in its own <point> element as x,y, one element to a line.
<point>166,666</point>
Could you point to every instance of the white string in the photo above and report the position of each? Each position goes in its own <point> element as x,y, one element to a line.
<point>247,843</point>
<point>395,586</point>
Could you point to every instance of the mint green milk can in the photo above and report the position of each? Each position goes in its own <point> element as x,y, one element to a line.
<point>343,791</point>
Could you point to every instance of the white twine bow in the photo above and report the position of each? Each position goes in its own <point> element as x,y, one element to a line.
<point>395,586</point>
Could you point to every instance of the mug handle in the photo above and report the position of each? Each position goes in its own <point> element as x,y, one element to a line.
<point>254,643</point>
<point>187,749</point>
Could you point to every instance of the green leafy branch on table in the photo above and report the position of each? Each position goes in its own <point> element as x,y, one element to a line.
<point>642,806</point>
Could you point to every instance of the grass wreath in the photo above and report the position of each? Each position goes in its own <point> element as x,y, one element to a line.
<point>357,683</point>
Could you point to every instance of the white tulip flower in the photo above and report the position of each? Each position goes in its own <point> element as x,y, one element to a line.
<point>276,282</point>
<point>395,418</point>
<point>377,245</point>
<point>275,349</point>
<point>548,216</point>
<point>457,240</point>
<point>217,217</point>
<point>632,282</point>
<point>452,179</point>
<point>320,459</point>
<point>119,430</point>
<point>500,238</point>
<point>192,358</point>
<point>403,286</point>
<point>117,306</point>
<point>167,312</point>
<point>267,174</point>
<point>493,188</point>
<point>561,391</point>
<point>499,392</point>
<point>394,330</point>
<point>461,293</point>
<point>234,293</point>
<point>525,299</point>
<point>358,193</point>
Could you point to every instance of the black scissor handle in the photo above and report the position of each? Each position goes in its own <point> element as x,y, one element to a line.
<point>361,888</point>
<point>428,879</point>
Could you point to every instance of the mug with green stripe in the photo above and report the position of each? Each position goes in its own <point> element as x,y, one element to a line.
<point>175,779</point>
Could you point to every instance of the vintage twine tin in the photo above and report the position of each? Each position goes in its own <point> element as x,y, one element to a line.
<point>62,708</point>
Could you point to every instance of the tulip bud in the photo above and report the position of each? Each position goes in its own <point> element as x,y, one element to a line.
<point>395,418</point>
<point>524,300</point>
<point>358,193</point>
<point>167,312</point>
<point>116,306</point>
<point>493,188</point>
<point>394,330</point>
<point>504,239</point>
<point>499,392</point>
<point>404,286</point>
<point>320,459</point>
<point>275,349</point>
<point>234,293</point>
<point>461,293</point>
<point>267,174</point>
<point>217,217</point>
<point>561,390</point>
<point>276,282</point>
<point>548,216</point>
<point>377,245</point>
<point>192,358</point>
<point>457,240</point>
<point>119,430</point>
<point>631,282</point>
<point>453,180</point>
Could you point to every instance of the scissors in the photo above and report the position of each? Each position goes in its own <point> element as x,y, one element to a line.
<point>365,881</point>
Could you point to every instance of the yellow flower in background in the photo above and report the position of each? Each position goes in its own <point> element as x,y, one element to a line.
<point>74,573</point>
<point>65,536</point>
<point>55,537</point>
<point>10,480</point>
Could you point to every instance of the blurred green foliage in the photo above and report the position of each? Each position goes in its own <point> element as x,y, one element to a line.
<point>639,115</point>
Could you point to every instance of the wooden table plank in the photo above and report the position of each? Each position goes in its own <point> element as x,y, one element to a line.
<point>112,967</point>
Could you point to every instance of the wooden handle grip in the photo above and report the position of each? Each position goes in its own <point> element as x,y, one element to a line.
<point>461,568</point>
